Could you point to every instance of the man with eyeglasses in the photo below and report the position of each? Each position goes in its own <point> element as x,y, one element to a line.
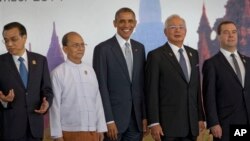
<point>173,96</point>
<point>25,88</point>
<point>77,112</point>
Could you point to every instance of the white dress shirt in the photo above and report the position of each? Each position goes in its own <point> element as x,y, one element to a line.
<point>122,42</point>
<point>25,60</point>
<point>229,58</point>
<point>175,49</point>
<point>77,104</point>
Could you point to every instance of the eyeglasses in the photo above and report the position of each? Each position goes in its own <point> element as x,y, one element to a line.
<point>174,27</point>
<point>77,45</point>
<point>12,40</point>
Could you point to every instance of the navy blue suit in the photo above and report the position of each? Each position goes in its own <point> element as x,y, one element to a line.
<point>14,119</point>
<point>120,96</point>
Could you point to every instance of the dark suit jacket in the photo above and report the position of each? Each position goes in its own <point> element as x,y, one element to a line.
<point>15,118</point>
<point>171,100</point>
<point>117,91</point>
<point>226,100</point>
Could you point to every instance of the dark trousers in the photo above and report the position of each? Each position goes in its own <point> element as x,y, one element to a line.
<point>28,136</point>
<point>131,134</point>
<point>190,137</point>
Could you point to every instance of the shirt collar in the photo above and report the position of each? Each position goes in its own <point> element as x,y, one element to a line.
<point>228,53</point>
<point>72,64</point>
<point>175,48</point>
<point>24,56</point>
<point>121,41</point>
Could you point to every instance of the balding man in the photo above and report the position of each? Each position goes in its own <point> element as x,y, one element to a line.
<point>77,111</point>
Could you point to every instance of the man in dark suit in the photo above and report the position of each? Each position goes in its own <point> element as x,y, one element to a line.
<point>226,84</point>
<point>25,88</point>
<point>173,97</point>
<point>119,65</point>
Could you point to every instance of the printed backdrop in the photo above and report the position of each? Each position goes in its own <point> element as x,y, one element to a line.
<point>48,20</point>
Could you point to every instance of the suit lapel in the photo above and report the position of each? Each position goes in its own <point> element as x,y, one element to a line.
<point>136,58</point>
<point>246,68</point>
<point>192,62</point>
<point>13,69</point>
<point>120,57</point>
<point>173,60</point>
<point>32,63</point>
<point>224,61</point>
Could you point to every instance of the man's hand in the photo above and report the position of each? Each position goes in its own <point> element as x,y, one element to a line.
<point>156,132</point>
<point>145,127</point>
<point>112,131</point>
<point>101,137</point>
<point>201,126</point>
<point>7,98</point>
<point>216,131</point>
<point>44,107</point>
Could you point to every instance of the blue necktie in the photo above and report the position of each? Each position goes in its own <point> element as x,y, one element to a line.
<point>183,64</point>
<point>237,68</point>
<point>23,71</point>
<point>128,57</point>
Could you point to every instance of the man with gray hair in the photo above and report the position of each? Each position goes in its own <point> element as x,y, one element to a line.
<point>173,97</point>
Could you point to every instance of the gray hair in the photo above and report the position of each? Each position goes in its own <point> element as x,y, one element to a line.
<point>172,17</point>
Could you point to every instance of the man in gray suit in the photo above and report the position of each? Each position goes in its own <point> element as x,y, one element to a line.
<point>173,87</point>
<point>119,65</point>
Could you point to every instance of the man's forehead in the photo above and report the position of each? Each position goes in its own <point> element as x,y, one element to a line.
<point>11,32</point>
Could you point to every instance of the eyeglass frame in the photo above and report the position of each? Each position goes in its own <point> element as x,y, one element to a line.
<point>174,27</point>
<point>77,45</point>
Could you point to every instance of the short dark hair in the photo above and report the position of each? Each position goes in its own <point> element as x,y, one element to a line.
<point>223,23</point>
<point>19,26</point>
<point>123,10</point>
<point>65,37</point>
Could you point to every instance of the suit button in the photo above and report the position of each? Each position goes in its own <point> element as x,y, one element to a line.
<point>26,93</point>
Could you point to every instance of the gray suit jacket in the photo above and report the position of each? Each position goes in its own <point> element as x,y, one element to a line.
<point>15,118</point>
<point>118,93</point>
<point>171,100</point>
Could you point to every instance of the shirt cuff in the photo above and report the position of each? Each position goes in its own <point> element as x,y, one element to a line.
<point>153,124</point>
<point>110,122</point>
<point>5,104</point>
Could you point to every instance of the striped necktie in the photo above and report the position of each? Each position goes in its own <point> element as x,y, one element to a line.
<point>237,68</point>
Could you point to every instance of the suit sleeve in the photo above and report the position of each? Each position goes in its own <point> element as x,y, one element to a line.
<point>152,88</point>
<point>209,93</point>
<point>100,67</point>
<point>144,116</point>
<point>46,87</point>
<point>201,113</point>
